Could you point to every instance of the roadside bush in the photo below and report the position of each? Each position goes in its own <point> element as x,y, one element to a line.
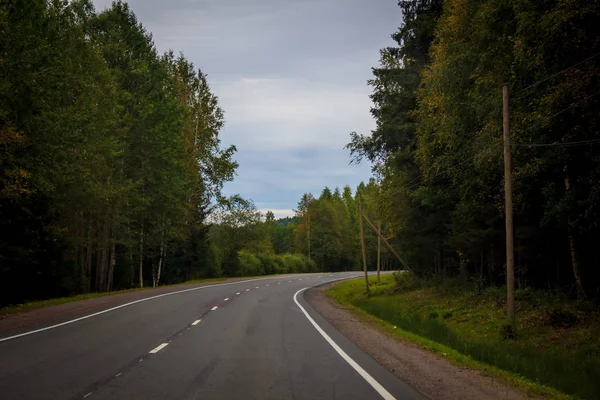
<point>269,264</point>
<point>249,264</point>
<point>404,281</point>
<point>281,268</point>
<point>294,263</point>
<point>214,261</point>
<point>311,265</point>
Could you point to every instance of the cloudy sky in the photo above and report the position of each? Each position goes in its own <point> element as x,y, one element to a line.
<point>291,76</point>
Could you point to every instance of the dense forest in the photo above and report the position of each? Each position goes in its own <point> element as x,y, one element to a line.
<point>437,147</point>
<point>112,168</point>
<point>110,158</point>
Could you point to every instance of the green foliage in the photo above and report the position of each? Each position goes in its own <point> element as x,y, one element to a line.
<point>110,154</point>
<point>249,264</point>
<point>563,358</point>
<point>437,145</point>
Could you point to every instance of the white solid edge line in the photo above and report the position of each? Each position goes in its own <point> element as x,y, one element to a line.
<point>124,305</point>
<point>365,375</point>
<point>159,348</point>
<point>214,308</point>
<point>196,322</point>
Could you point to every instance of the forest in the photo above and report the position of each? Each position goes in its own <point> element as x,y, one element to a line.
<point>437,149</point>
<point>112,167</point>
<point>111,158</point>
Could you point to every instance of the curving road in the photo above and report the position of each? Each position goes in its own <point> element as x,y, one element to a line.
<point>255,339</point>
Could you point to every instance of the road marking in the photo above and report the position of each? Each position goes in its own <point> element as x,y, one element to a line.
<point>126,305</point>
<point>289,281</point>
<point>267,285</point>
<point>256,287</point>
<point>226,298</point>
<point>87,395</point>
<point>214,308</point>
<point>196,322</point>
<point>159,348</point>
<point>365,375</point>
<point>279,283</point>
<point>237,294</point>
<point>118,375</point>
<point>247,290</point>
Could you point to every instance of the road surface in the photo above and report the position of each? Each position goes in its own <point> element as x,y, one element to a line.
<point>255,339</point>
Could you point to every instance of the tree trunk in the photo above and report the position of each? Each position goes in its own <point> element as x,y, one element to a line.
<point>480,285</point>
<point>462,276</point>
<point>573,248</point>
<point>141,274</point>
<point>491,264</point>
<point>153,273</point>
<point>160,262</point>
<point>99,258</point>
<point>111,263</point>
<point>88,257</point>
<point>81,252</point>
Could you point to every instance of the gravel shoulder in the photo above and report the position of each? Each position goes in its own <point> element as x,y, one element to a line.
<point>431,375</point>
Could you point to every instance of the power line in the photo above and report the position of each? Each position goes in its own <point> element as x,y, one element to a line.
<point>561,111</point>
<point>558,73</point>
<point>566,144</point>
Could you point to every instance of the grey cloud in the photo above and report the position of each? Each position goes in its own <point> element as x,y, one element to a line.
<point>291,77</point>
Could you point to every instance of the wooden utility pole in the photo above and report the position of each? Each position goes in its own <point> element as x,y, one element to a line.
<point>379,252</point>
<point>510,257</point>
<point>308,230</point>
<point>389,246</point>
<point>362,240</point>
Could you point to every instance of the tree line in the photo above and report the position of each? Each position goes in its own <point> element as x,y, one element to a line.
<point>437,146</point>
<point>110,158</point>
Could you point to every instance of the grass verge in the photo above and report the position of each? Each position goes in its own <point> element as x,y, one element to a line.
<point>467,327</point>
<point>18,308</point>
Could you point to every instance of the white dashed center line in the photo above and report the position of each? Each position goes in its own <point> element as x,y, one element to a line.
<point>226,298</point>
<point>237,294</point>
<point>247,290</point>
<point>87,395</point>
<point>196,322</point>
<point>214,308</point>
<point>267,285</point>
<point>256,287</point>
<point>279,283</point>
<point>159,348</point>
<point>117,375</point>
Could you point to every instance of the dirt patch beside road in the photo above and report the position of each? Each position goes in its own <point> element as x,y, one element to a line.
<point>426,372</point>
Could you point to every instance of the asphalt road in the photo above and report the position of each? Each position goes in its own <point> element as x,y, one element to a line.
<point>254,340</point>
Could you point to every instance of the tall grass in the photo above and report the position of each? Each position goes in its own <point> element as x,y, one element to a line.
<point>569,373</point>
<point>471,324</point>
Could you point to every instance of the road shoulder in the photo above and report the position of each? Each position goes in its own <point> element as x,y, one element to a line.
<point>428,373</point>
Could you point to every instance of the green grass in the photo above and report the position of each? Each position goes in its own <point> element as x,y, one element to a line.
<point>14,309</point>
<point>471,324</point>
